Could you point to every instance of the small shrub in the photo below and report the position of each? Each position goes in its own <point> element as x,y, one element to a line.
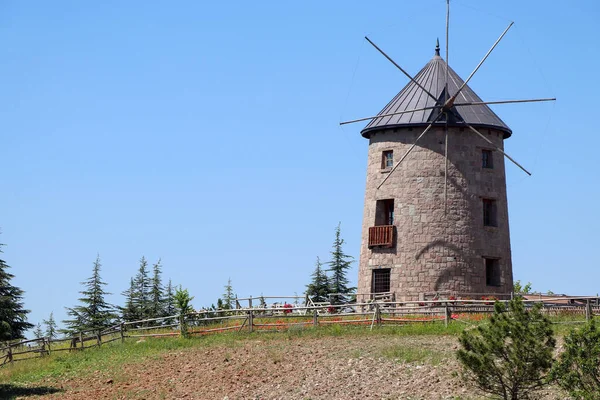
<point>510,356</point>
<point>578,367</point>
<point>182,302</point>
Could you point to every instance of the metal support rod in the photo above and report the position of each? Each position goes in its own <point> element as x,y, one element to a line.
<point>447,41</point>
<point>445,101</point>
<point>409,150</point>
<point>446,170</point>
<point>390,114</point>
<point>451,101</point>
<point>400,68</point>
<point>498,148</point>
<point>481,103</point>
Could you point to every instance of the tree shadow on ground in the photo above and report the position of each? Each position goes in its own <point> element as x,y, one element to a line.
<point>8,391</point>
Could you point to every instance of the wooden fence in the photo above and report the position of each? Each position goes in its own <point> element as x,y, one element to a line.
<point>290,316</point>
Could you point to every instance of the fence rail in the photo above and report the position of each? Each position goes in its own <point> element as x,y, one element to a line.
<point>250,319</point>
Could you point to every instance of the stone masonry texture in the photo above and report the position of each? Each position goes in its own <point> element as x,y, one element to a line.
<point>438,247</point>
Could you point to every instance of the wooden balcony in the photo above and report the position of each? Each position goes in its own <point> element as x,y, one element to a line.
<point>381,236</point>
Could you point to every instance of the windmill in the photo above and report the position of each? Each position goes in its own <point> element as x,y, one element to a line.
<point>416,217</point>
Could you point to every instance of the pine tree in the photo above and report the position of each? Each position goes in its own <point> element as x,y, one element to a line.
<point>13,317</point>
<point>509,357</point>
<point>182,301</point>
<point>169,300</point>
<point>51,328</point>
<point>577,369</point>
<point>339,265</point>
<point>211,313</point>
<point>318,288</point>
<point>76,322</point>
<point>143,288</point>
<point>37,332</point>
<point>228,297</point>
<point>157,299</point>
<point>129,312</point>
<point>94,313</point>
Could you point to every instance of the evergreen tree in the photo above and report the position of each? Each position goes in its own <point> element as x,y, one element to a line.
<point>37,332</point>
<point>263,303</point>
<point>13,317</point>
<point>169,300</point>
<point>143,289</point>
<point>339,265</point>
<point>577,369</point>
<point>157,299</point>
<point>228,297</point>
<point>509,357</point>
<point>129,312</point>
<point>519,288</point>
<point>318,288</point>
<point>211,313</point>
<point>51,328</point>
<point>76,322</point>
<point>93,313</point>
<point>182,301</point>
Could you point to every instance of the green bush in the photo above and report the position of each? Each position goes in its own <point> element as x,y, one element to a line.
<point>578,367</point>
<point>182,303</point>
<point>510,356</point>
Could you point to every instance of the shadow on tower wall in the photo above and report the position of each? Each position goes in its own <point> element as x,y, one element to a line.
<point>452,251</point>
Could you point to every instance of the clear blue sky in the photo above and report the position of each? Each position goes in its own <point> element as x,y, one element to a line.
<point>206,134</point>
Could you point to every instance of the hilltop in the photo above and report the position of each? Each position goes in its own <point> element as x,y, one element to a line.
<point>336,363</point>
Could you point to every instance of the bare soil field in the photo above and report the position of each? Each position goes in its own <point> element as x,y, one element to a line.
<point>335,367</point>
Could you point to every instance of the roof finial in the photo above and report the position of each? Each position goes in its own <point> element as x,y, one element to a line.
<point>437,47</point>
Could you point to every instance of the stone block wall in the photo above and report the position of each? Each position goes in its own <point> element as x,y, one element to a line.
<point>440,246</point>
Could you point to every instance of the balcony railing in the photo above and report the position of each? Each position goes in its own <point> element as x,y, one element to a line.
<point>381,236</point>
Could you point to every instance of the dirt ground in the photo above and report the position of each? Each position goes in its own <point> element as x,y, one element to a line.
<point>302,368</point>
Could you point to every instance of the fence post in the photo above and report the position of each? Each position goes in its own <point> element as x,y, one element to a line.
<point>250,321</point>
<point>43,349</point>
<point>99,338</point>
<point>446,314</point>
<point>47,340</point>
<point>182,325</point>
<point>9,354</point>
<point>315,318</point>
<point>81,339</point>
<point>122,329</point>
<point>588,310</point>
<point>378,314</point>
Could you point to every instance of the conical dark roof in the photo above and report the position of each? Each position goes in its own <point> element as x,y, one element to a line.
<point>433,77</point>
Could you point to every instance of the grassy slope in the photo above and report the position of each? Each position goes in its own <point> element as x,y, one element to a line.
<point>32,377</point>
<point>113,355</point>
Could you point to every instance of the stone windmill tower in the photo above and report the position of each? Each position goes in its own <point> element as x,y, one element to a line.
<point>436,213</point>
